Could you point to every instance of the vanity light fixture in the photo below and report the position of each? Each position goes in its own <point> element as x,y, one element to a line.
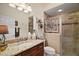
<point>12,5</point>
<point>20,8</point>
<point>26,8</point>
<point>29,8</point>
<point>26,11</point>
<point>23,5</point>
<point>60,10</point>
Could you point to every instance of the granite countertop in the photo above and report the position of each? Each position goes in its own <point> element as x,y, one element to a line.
<point>16,48</point>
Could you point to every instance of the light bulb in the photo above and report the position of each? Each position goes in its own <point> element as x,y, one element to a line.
<point>20,8</point>
<point>60,10</point>
<point>29,8</point>
<point>26,11</point>
<point>22,5</point>
<point>12,5</point>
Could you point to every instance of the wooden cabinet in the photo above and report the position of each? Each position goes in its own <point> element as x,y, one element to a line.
<point>37,50</point>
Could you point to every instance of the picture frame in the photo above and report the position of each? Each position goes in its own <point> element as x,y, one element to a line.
<point>51,25</point>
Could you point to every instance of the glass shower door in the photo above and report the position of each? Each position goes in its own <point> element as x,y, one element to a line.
<point>70,35</point>
<point>67,40</point>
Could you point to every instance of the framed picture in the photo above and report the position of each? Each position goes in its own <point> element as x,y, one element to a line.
<point>51,25</point>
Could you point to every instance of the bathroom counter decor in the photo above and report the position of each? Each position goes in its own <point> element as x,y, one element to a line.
<point>17,49</point>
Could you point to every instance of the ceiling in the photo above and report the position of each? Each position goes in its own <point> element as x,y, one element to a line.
<point>66,7</point>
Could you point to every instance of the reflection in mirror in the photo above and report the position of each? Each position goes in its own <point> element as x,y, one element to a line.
<point>30,29</point>
<point>5,20</point>
<point>35,26</point>
<point>17,29</point>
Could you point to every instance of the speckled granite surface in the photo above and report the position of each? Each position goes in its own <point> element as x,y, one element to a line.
<point>18,47</point>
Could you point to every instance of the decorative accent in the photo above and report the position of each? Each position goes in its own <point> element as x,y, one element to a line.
<point>52,25</point>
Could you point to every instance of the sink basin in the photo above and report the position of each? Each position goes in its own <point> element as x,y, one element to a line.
<point>22,44</point>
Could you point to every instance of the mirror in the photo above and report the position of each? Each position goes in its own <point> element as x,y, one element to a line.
<point>35,26</point>
<point>5,20</point>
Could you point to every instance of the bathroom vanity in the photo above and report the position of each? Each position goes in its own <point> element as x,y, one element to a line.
<point>34,51</point>
<point>25,48</point>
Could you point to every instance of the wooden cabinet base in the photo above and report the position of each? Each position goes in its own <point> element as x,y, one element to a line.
<point>37,50</point>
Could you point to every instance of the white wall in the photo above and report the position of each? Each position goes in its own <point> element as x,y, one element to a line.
<point>54,38</point>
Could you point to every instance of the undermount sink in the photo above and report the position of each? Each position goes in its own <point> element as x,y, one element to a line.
<point>22,43</point>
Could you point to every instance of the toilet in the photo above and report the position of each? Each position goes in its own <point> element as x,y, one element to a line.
<point>49,51</point>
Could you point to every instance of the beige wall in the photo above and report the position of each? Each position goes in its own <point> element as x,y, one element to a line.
<point>53,41</point>
<point>54,38</point>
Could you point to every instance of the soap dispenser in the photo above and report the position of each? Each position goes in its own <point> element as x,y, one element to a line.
<point>29,36</point>
<point>34,35</point>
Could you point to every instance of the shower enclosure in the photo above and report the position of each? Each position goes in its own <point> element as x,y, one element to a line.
<point>70,34</point>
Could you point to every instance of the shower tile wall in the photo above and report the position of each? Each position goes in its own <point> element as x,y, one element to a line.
<point>70,34</point>
<point>77,34</point>
<point>67,40</point>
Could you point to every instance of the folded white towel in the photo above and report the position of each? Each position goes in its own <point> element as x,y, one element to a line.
<point>49,50</point>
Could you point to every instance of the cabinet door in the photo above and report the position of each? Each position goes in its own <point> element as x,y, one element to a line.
<point>38,51</point>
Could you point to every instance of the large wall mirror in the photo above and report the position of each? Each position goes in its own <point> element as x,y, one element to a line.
<point>35,26</point>
<point>4,20</point>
